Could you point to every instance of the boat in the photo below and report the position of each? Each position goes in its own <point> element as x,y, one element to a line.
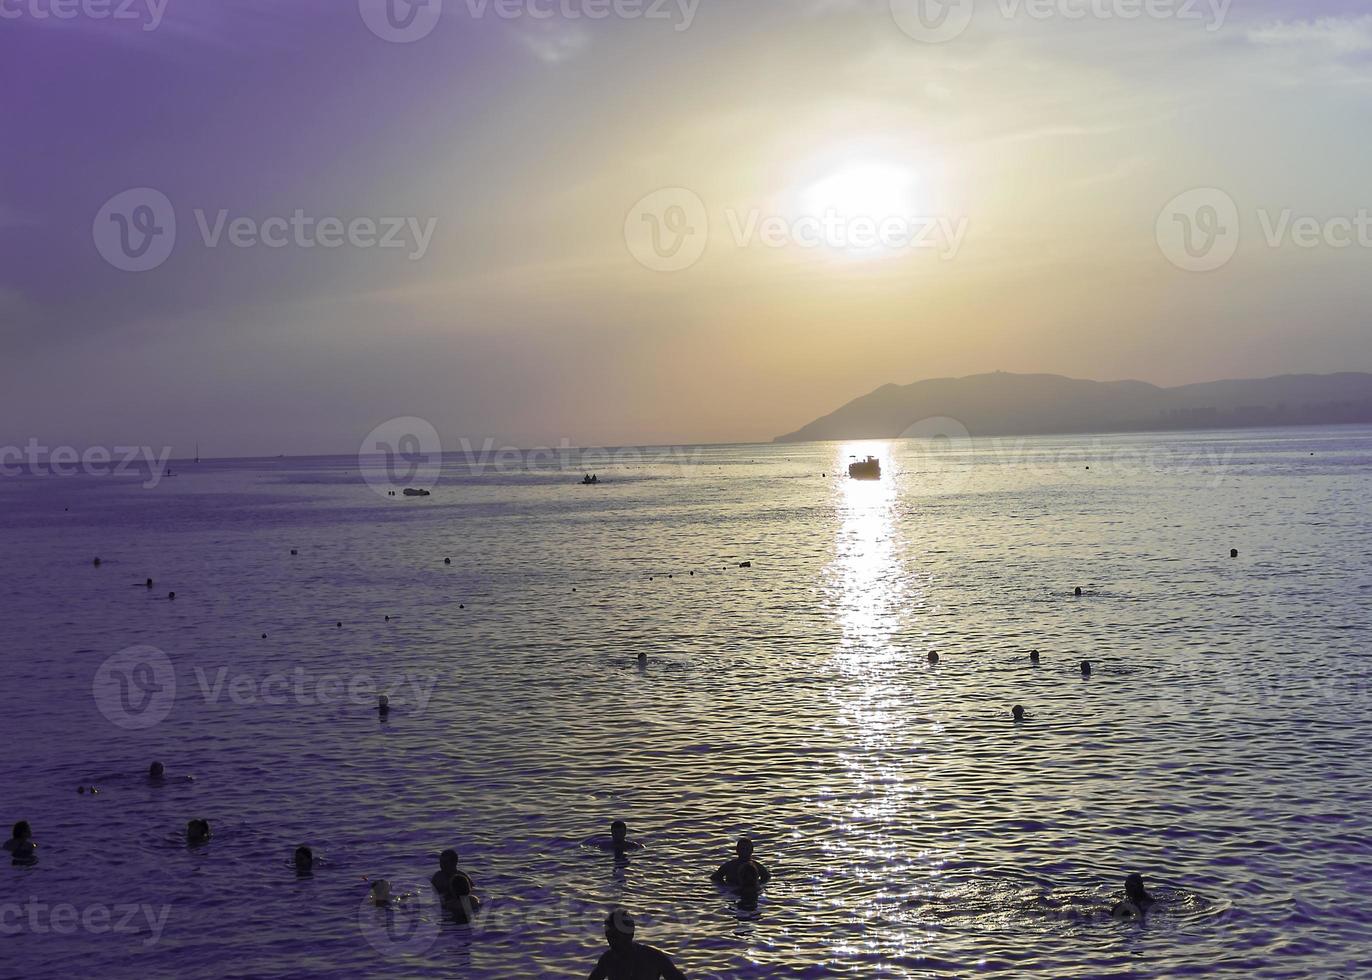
<point>865,469</point>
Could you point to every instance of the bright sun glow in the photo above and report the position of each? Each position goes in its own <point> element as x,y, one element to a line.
<point>875,191</point>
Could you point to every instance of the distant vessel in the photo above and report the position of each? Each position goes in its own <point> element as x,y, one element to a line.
<point>866,469</point>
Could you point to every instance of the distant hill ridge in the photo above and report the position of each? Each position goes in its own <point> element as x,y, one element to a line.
<point>1003,404</point>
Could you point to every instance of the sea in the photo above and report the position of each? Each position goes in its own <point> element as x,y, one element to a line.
<point>912,828</point>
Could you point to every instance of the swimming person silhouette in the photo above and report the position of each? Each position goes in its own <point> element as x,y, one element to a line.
<point>197,831</point>
<point>447,869</point>
<point>728,872</point>
<point>304,859</point>
<point>18,835</point>
<point>629,960</point>
<point>1136,902</point>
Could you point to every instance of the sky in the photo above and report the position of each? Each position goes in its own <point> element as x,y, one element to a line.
<point>617,222</point>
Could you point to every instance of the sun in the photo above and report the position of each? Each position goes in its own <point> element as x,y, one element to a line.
<point>875,191</point>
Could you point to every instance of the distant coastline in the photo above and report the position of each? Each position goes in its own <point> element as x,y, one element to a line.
<point>1003,404</point>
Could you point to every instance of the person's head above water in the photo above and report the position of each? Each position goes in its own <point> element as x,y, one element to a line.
<point>1086,668</point>
<point>933,657</point>
<point>1017,712</point>
<point>156,770</point>
<point>447,861</point>
<point>383,704</point>
<point>619,928</point>
<point>744,847</point>
<point>619,831</point>
<point>1133,888</point>
<point>21,831</point>
<point>304,858</point>
<point>1033,656</point>
<point>198,830</point>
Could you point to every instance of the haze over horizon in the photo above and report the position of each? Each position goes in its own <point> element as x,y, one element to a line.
<point>515,147</point>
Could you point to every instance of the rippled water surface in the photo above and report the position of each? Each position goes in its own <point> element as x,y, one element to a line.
<point>1220,745</point>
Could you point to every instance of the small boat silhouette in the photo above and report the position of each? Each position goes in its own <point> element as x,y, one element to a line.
<point>866,469</point>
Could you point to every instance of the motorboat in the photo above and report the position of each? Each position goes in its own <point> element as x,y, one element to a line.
<point>865,469</point>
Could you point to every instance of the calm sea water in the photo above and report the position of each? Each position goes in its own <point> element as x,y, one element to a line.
<point>1219,747</point>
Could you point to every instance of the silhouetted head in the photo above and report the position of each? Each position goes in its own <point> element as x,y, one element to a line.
<point>619,830</point>
<point>1133,888</point>
<point>197,831</point>
<point>448,861</point>
<point>933,657</point>
<point>304,858</point>
<point>1033,656</point>
<point>148,583</point>
<point>745,849</point>
<point>21,831</point>
<point>1078,590</point>
<point>1086,668</point>
<point>1233,552</point>
<point>619,929</point>
<point>383,704</point>
<point>1017,712</point>
<point>156,770</point>
<point>643,658</point>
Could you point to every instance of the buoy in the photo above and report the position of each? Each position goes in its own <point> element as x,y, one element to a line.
<point>1233,552</point>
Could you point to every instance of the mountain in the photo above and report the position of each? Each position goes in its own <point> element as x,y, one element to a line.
<point>1045,404</point>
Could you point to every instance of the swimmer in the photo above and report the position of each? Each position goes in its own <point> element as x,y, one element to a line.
<point>643,660</point>
<point>18,835</point>
<point>1078,590</point>
<point>447,869</point>
<point>729,872</point>
<point>304,859</point>
<point>628,959</point>
<point>618,841</point>
<point>380,892</point>
<point>749,886</point>
<point>1017,712</point>
<point>1034,657</point>
<point>25,852</point>
<point>460,902</point>
<point>933,659</point>
<point>1136,901</point>
<point>1086,668</point>
<point>383,706</point>
<point>197,832</point>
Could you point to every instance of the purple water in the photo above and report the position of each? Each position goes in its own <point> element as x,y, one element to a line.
<point>1219,747</point>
